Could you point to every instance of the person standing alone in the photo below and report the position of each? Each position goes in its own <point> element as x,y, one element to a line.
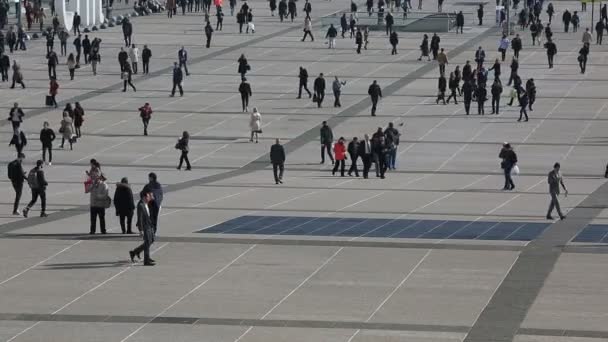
<point>277,158</point>
<point>47,135</point>
<point>375,93</point>
<point>178,77</point>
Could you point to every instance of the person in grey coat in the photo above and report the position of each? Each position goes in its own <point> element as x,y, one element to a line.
<point>146,228</point>
<point>99,201</point>
<point>555,180</point>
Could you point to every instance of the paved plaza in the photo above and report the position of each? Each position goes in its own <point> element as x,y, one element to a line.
<point>435,252</point>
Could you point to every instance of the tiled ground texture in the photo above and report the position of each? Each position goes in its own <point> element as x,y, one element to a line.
<point>58,285</point>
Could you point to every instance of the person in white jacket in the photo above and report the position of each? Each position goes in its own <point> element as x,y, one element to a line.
<point>255,124</point>
<point>134,56</point>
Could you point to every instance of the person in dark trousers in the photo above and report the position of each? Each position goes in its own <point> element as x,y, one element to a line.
<point>127,78</point>
<point>208,34</point>
<point>220,19</point>
<point>245,91</point>
<point>359,40</point>
<point>555,180</point>
<point>47,135</point>
<point>123,58</point>
<point>327,138</point>
<point>480,56</point>
<point>155,187</point>
<point>481,94</point>
<point>566,19</point>
<point>17,176</point>
<point>459,22</point>
<point>76,23</point>
<point>550,12</point>
<point>599,30</point>
<point>353,152</point>
<point>583,54</point>
<point>19,140</point>
<point>516,45</point>
<point>441,88</point>
<point>394,40</point>
<point>319,90</point>
<point>303,76</point>
<point>366,153</point>
<point>531,91</point>
<point>145,113</point>
<point>124,205</point>
<point>146,227</point>
<point>78,46</point>
<point>480,14</point>
<point>15,116</point>
<point>514,68</point>
<point>146,54</point>
<point>277,158</point>
<point>5,65</point>
<point>308,8</point>
<point>340,156</point>
<point>435,40</point>
<point>53,90</point>
<point>389,21</point>
<point>380,150</point>
<point>99,201</point>
<point>467,91</point>
<point>453,85</point>
<point>86,48</point>
<point>308,29</point>
<point>508,161</point>
<point>178,77</point>
<point>551,52</point>
<point>496,91</point>
<point>78,119</point>
<point>63,41</point>
<point>243,65</point>
<point>127,31</point>
<point>182,56</point>
<point>523,102</point>
<point>183,146</point>
<point>38,184</point>
<point>375,94</point>
<point>337,90</point>
<point>52,62</point>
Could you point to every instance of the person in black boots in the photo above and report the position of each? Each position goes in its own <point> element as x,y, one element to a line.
<point>38,184</point>
<point>124,205</point>
<point>496,90</point>
<point>182,145</point>
<point>245,91</point>
<point>146,228</point>
<point>146,54</point>
<point>303,76</point>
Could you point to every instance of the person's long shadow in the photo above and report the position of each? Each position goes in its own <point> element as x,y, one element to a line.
<point>86,265</point>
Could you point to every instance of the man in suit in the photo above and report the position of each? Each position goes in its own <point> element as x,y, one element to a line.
<point>277,158</point>
<point>365,151</point>
<point>353,152</point>
<point>555,180</point>
<point>146,228</point>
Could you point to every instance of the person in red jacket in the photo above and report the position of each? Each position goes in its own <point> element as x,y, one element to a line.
<point>340,156</point>
<point>53,89</point>
<point>145,113</point>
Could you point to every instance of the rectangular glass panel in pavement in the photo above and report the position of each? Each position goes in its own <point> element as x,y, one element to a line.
<point>337,227</point>
<point>528,232</point>
<point>250,227</point>
<point>446,229</point>
<point>289,223</point>
<point>500,231</point>
<point>418,229</point>
<point>231,224</point>
<point>592,233</point>
<point>473,230</point>
<point>310,226</point>
<point>390,228</point>
<point>364,227</point>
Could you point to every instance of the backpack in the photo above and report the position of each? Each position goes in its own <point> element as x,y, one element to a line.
<point>12,170</point>
<point>32,179</point>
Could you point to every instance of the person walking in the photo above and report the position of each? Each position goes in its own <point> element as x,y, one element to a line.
<point>599,31</point>
<point>145,225</point>
<point>359,40</point>
<point>66,130</point>
<point>481,94</point>
<point>53,90</point>
<point>183,146</point>
<point>453,85</point>
<point>375,94</point>
<point>182,56</point>
<point>441,88</point>
<point>99,201</point>
<point>340,156</point>
<point>146,54</point>
<point>47,135</point>
<point>63,41</point>
<point>531,91</point>
<point>393,40</point>
<point>480,56</point>
<point>78,119</point>
<point>308,29</point>
<point>19,140</point>
<point>277,158</point>
<point>134,56</point>
<point>124,205</point>
<point>156,205</point>
<point>255,124</point>
<point>583,54</point>
<point>523,102</point>
<point>15,116</point>
<point>303,76</point>
<point>460,22</point>
<point>78,47</point>
<point>327,138</point>
<point>127,77</point>
<point>442,60</point>
<point>123,59</point>
<point>52,62</point>
<point>37,182</point>
<point>516,45</point>
<point>319,90</point>
<point>551,52</point>
<point>94,58</point>
<point>467,92</point>
<point>391,138</point>
<point>17,75</point>
<point>389,21</point>
<point>508,162</point>
<point>5,63</point>
<point>145,112</point>
<point>496,91</point>
<point>208,34</point>
<point>76,23</point>
<point>127,31</point>
<point>555,179</point>
<point>219,14</point>
<point>424,48</point>
<point>178,78</point>
<point>366,153</point>
<point>514,67</point>
<point>503,46</point>
<point>243,65</point>
<point>380,151</point>
<point>496,68</point>
<point>71,63</point>
<point>17,176</point>
<point>566,19</point>
<point>480,14</point>
<point>337,89</point>
<point>353,152</point>
<point>435,40</point>
<point>332,33</point>
<point>245,91</point>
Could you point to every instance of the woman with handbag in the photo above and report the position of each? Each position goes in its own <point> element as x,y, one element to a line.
<point>255,124</point>
<point>182,145</point>
<point>66,130</point>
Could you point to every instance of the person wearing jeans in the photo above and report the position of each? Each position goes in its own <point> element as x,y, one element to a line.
<point>327,137</point>
<point>509,160</point>
<point>99,198</point>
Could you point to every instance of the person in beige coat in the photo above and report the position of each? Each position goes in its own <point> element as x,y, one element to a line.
<point>255,124</point>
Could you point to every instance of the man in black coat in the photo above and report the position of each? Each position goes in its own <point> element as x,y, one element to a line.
<point>353,152</point>
<point>551,51</point>
<point>245,90</point>
<point>127,31</point>
<point>319,89</point>
<point>38,186</point>
<point>566,18</point>
<point>178,77</point>
<point>146,54</point>
<point>366,152</point>
<point>277,158</point>
<point>480,14</point>
<point>52,62</point>
<point>467,91</point>
<point>208,33</point>
<point>78,46</point>
<point>394,40</point>
<point>17,177</point>
<point>516,45</point>
<point>86,48</point>
<point>76,23</point>
<point>375,93</point>
<point>5,65</point>
<point>599,30</point>
<point>146,228</point>
<point>123,56</point>
<point>303,82</point>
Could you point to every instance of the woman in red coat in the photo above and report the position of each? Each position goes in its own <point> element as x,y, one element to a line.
<point>53,89</point>
<point>340,156</point>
